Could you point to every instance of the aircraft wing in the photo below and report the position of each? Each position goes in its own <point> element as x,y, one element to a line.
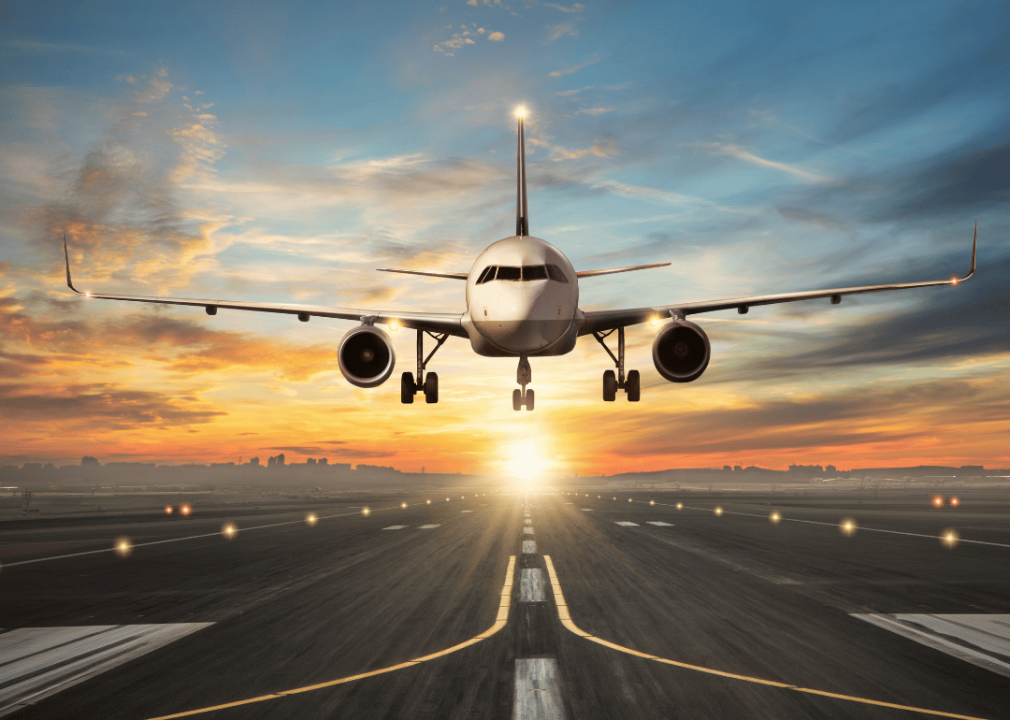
<point>603,320</point>
<point>611,271</point>
<point>448,323</point>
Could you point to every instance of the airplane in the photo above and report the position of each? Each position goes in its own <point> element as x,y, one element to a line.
<point>522,300</point>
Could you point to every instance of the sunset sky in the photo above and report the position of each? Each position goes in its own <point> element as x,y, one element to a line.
<point>282,151</point>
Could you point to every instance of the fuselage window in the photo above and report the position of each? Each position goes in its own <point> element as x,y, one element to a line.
<point>534,272</point>
<point>509,273</point>
<point>555,273</point>
<point>487,275</point>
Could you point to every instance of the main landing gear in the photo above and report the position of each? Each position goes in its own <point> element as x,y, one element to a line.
<point>632,385</point>
<point>409,386</point>
<point>524,375</point>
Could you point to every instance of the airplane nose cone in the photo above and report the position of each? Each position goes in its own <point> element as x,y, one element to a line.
<point>544,322</point>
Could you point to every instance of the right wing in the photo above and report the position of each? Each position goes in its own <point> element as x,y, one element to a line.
<point>447,323</point>
<point>603,320</point>
<point>611,271</point>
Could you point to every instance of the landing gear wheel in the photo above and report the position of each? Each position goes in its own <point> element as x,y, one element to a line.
<point>407,388</point>
<point>609,386</point>
<point>633,386</point>
<point>529,399</point>
<point>431,388</point>
<point>517,399</point>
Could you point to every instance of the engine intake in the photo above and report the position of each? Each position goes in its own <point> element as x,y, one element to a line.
<point>366,356</point>
<point>681,351</point>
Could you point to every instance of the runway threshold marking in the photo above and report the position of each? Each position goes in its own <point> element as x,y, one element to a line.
<point>537,693</point>
<point>500,621</point>
<point>566,620</point>
<point>835,525</point>
<point>194,537</point>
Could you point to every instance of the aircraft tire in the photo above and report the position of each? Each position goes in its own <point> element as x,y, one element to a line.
<point>517,399</point>
<point>431,388</point>
<point>407,388</point>
<point>609,386</point>
<point>633,386</point>
<point>529,399</point>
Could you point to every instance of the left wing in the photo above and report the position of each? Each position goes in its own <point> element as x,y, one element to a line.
<point>447,323</point>
<point>611,271</point>
<point>602,320</point>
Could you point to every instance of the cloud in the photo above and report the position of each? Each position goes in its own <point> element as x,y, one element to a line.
<point>496,37</point>
<point>741,154</point>
<point>576,8</point>
<point>605,149</point>
<point>575,68</point>
<point>565,29</point>
<point>593,111</point>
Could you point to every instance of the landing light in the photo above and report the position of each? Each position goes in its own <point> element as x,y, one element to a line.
<point>718,511</point>
<point>229,530</point>
<point>123,547</point>
<point>775,517</point>
<point>655,321</point>
<point>953,281</point>
<point>521,111</point>
<point>949,538</point>
<point>848,527</point>
<point>393,325</point>
<point>87,294</point>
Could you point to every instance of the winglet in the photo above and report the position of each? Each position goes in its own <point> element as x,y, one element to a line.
<point>522,216</point>
<point>66,256</point>
<point>974,246</point>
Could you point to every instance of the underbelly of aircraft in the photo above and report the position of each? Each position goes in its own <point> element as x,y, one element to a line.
<point>522,337</point>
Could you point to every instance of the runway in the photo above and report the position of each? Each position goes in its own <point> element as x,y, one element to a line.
<point>505,606</point>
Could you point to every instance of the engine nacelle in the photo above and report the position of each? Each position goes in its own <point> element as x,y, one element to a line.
<point>681,351</point>
<point>366,356</point>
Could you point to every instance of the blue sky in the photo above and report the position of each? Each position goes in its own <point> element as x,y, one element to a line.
<point>282,152</point>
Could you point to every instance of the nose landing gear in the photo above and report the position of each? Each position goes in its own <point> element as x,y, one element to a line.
<point>524,376</point>
<point>632,385</point>
<point>409,386</point>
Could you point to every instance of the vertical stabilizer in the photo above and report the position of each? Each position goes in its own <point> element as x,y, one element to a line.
<point>522,216</point>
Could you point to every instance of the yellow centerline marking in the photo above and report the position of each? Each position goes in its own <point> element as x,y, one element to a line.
<point>566,620</point>
<point>499,623</point>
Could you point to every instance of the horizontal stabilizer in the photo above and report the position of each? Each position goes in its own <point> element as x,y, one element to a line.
<point>611,271</point>
<point>451,276</point>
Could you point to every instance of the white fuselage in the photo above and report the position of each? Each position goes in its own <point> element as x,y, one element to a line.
<point>522,298</point>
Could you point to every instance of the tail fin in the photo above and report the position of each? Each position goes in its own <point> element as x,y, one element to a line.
<point>522,217</point>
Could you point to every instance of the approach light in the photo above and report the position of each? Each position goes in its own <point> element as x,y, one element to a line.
<point>185,510</point>
<point>848,527</point>
<point>365,511</point>
<point>169,509</point>
<point>652,502</point>
<point>718,511</point>
<point>311,519</point>
<point>429,502</point>
<point>403,505</point>
<point>680,506</point>
<point>938,501</point>
<point>597,497</point>
<point>950,538</point>
<point>775,517</point>
<point>447,499</point>
<point>629,499</point>
<point>123,547</point>
<point>229,530</point>
<point>954,501</point>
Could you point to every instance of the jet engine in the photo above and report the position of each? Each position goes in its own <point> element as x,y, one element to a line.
<point>366,356</point>
<point>681,351</point>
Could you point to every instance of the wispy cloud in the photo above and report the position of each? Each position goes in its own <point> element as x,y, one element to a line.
<point>575,68</point>
<point>52,48</point>
<point>603,149</point>
<point>576,8</point>
<point>741,154</point>
<point>565,29</point>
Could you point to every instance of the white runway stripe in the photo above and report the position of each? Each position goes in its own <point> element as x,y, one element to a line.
<point>537,690</point>
<point>39,661</point>
<point>527,531</point>
<point>527,521</point>
<point>625,523</point>
<point>428,527</point>
<point>395,527</point>
<point>587,509</point>
<point>660,523</point>
<point>982,640</point>
<point>531,585</point>
<point>465,511</point>
<point>529,547</point>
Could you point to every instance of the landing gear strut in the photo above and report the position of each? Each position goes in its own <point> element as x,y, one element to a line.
<point>632,385</point>
<point>409,386</point>
<point>524,376</point>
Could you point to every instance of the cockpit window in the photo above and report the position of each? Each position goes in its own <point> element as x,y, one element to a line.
<point>509,273</point>
<point>555,273</point>
<point>534,272</point>
<point>525,273</point>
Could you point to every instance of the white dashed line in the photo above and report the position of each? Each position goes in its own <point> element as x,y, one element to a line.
<point>659,523</point>
<point>625,523</point>
<point>395,527</point>
<point>531,585</point>
<point>465,511</point>
<point>529,547</point>
<point>428,527</point>
<point>537,690</point>
<point>587,509</point>
<point>527,531</point>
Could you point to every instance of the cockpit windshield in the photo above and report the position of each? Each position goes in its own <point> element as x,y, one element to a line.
<point>526,273</point>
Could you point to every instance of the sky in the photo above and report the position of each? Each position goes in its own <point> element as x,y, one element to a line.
<point>283,151</point>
